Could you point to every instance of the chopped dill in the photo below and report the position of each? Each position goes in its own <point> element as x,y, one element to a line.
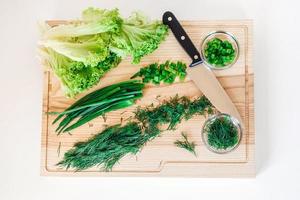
<point>222,133</point>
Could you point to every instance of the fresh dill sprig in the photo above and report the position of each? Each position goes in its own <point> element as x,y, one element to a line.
<point>107,147</point>
<point>185,144</point>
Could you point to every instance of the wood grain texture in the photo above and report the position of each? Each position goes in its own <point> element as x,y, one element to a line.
<point>160,157</point>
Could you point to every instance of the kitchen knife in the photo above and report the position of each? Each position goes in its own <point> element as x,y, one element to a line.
<point>202,75</point>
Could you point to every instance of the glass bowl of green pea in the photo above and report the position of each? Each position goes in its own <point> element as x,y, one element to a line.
<point>219,50</point>
<point>221,133</point>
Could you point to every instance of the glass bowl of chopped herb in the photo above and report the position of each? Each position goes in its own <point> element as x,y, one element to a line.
<point>221,133</point>
<point>220,50</point>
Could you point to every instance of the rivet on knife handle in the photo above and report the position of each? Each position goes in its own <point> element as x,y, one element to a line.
<point>181,36</point>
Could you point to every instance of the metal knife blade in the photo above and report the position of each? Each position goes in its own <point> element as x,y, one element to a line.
<point>202,76</point>
<point>209,85</point>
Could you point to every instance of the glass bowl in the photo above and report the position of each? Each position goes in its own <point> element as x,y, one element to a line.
<point>205,134</point>
<point>222,35</point>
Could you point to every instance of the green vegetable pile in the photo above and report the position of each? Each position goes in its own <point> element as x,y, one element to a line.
<point>97,103</point>
<point>80,53</point>
<point>75,76</point>
<point>186,144</point>
<point>165,72</point>
<point>222,133</point>
<point>109,146</point>
<point>219,53</point>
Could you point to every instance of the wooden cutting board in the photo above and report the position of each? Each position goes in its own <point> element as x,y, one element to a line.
<point>160,157</point>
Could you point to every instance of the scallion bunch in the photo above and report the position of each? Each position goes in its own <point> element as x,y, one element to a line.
<point>97,103</point>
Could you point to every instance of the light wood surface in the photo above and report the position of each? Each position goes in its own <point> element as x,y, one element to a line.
<point>160,157</point>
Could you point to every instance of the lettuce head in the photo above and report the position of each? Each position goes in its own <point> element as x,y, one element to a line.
<point>82,51</point>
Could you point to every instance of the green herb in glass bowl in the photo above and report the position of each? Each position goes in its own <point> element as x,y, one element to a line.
<point>221,133</point>
<point>220,50</point>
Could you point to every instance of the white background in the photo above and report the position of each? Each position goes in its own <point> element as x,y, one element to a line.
<point>277,98</point>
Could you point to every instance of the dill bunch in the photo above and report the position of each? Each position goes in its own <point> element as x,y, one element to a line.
<point>186,144</point>
<point>107,147</point>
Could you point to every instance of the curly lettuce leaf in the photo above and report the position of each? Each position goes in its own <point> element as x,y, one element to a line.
<point>138,37</point>
<point>93,21</point>
<point>90,50</point>
<point>75,76</point>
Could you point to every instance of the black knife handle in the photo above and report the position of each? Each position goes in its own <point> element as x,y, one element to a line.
<point>181,36</point>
